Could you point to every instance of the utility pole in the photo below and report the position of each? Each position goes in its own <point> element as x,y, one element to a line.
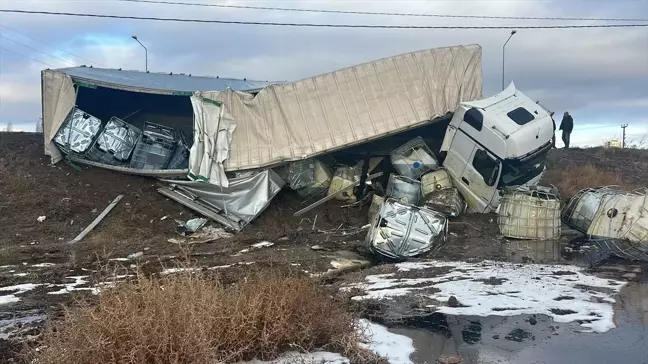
<point>623,142</point>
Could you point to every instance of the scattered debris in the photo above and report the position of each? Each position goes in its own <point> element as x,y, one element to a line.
<point>332,196</point>
<point>263,244</point>
<point>447,359</point>
<point>204,235</point>
<point>96,221</point>
<point>190,226</point>
<point>135,255</point>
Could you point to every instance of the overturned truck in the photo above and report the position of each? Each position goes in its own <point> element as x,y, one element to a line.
<point>223,145</point>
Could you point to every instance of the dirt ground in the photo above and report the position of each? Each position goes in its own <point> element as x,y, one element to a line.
<point>70,197</point>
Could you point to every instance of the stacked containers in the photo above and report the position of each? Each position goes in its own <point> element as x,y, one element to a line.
<point>115,143</point>
<point>413,159</point>
<point>404,190</point>
<point>155,147</point>
<point>180,158</point>
<point>77,132</point>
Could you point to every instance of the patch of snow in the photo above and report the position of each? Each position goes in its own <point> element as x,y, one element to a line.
<point>6,266</point>
<point>220,267</point>
<point>19,288</point>
<point>43,265</point>
<point>505,289</point>
<point>119,259</point>
<point>396,348</point>
<point>317,357</point>
<point>263,244</point>
<point>178,270</point>
<point>13,325</point>
<point>41,218</point>
<point>71,287</point>
<point>21,274</point>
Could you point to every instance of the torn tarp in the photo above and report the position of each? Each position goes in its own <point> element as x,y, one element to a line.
<point>213,129</point>
<point>234,206</point>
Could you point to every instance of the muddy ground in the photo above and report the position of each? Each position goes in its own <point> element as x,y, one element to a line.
<point>137,231</point>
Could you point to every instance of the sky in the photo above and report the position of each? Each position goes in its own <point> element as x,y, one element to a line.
<point>599,75</point>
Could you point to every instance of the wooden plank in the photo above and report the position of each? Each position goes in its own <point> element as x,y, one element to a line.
<point>97,220</point>
<point>332,196</point>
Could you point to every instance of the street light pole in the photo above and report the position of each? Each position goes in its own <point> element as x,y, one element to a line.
<point>145,51</point>
<point>504,54</point>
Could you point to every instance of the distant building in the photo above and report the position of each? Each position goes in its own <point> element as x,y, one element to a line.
<point>614,143</point>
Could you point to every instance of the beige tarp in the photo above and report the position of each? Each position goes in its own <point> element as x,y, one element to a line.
<point>59,98</point>
<point>323,113</point>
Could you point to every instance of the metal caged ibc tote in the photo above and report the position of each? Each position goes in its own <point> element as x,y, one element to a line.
<point>529,213</point>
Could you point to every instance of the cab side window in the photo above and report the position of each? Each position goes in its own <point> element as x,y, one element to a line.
<point>486,166</point>
<point>474,118</point>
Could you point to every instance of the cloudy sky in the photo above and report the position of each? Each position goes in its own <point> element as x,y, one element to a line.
<point>599,75</point>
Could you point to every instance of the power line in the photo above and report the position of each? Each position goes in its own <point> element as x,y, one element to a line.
<point>379,13</point>
<point>314,25</point>
<point>50,45</point>
<point>37,50</point>
<point>28,57</point>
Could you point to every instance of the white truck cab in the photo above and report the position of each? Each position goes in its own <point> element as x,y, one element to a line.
<point>496,142</point>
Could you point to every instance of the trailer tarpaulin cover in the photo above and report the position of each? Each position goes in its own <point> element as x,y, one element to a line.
<point>58,100</point>
<point>244,199</point>
<point>350,106</point>
<point>213,130</point>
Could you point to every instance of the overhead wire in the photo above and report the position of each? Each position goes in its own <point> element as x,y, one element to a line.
<point>247,7</point>
<point>316,25</point>
<point>50,45</point>
<point>28,57</point>
<point>37,50</point>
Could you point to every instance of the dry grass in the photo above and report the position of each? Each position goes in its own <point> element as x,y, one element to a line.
<point>192,318</point>
<point>575,178</point>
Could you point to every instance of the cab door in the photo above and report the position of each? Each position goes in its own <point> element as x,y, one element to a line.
<point>480,178</point>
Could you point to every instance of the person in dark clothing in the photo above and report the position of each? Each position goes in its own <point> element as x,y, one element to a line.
<point>553,138</point>
<point>567,125</point>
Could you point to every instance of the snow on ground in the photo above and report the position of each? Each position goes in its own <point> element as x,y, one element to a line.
<point>396,348</point>
<point>565,293</point>
<point>317,357</point>
<point>71,287</point>
<point>19,289</point>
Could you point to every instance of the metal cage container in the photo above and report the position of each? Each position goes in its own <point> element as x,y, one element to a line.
<point>529,213</point>
<point>115,143</point>
<point>155,147</point>
<point>623,215</point>
<point>400,231</point>
<point>434,181</point>
<point>78,132</point>
<point>447,201</point>
<point>413,159</point>
<point>580,210</point>
<point>403,189</point>
<point>180,158</point>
